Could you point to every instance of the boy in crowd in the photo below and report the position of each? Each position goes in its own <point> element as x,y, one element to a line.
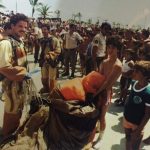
<point>137,108</point>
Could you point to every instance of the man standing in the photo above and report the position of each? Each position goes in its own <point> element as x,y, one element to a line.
<point>99,44</point>
<point>71,41</point>
<point>50,49</point>
<point>111,68</point>
<point>13,65</point>
<point>37,36</point>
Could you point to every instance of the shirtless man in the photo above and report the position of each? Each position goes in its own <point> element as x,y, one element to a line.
<point>111,68</point>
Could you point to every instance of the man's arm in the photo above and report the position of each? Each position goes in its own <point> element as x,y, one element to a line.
<point>111,79</point>
<point>16,73</point>
<point>56,46</point>
<point>56,50</point>
<point>79,38</point>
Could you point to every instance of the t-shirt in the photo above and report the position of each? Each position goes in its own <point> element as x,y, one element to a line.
<point>100,41</point>
<point>5,53</point>
<point>126,67</point>
<point>12,52</point>
<point>134,110</point>
<point>38,32</point>
<point>71,41</point>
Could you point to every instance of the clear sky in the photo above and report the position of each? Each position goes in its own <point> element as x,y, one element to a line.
<point>123,11</point>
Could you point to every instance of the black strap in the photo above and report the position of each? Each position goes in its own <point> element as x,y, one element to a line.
<point>12,40</point>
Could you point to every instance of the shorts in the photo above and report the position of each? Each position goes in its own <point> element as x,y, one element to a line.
<point>129,125</point>
<point>48,72</point>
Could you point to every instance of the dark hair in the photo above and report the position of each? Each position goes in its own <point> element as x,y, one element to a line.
<point>18,17</point>
<point>106,25</point>
<point>146,47</point>
<point>72,25</point>
<point>7,25</point>
<point>115,41</point>
<point>145,33</point>
<point>46,26</point>
<point>145,51</point>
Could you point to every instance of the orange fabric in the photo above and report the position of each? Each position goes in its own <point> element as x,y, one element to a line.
<point>73,89</point>
<point>77,88</point>
<point>93,81</point>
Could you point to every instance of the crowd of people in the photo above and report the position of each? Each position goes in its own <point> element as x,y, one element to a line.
<point>104,53</point>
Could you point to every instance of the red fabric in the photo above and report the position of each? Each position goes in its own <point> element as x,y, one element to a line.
<point>93,81</point>
<point>73,89</point>
<point>77,88</point>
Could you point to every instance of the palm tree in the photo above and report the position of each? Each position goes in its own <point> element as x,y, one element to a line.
<point>97,22</point>
<point>1,6</point>
<point>114,24</point>
<point>118,25</point>
<point>33,3</point>
<point>57,12</point>
<point>79,15</point>
<point>44,10</point>
<point>89,21</point>
<point>74,17</point>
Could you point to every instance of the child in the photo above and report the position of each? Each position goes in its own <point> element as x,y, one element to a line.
<point>125,79</point>
<point>137,108</point>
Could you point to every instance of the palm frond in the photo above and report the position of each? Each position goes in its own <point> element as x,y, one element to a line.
<point>2,6</point>
<point>43,10</point>
<point>35,2</point>
<point>31,2</point>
